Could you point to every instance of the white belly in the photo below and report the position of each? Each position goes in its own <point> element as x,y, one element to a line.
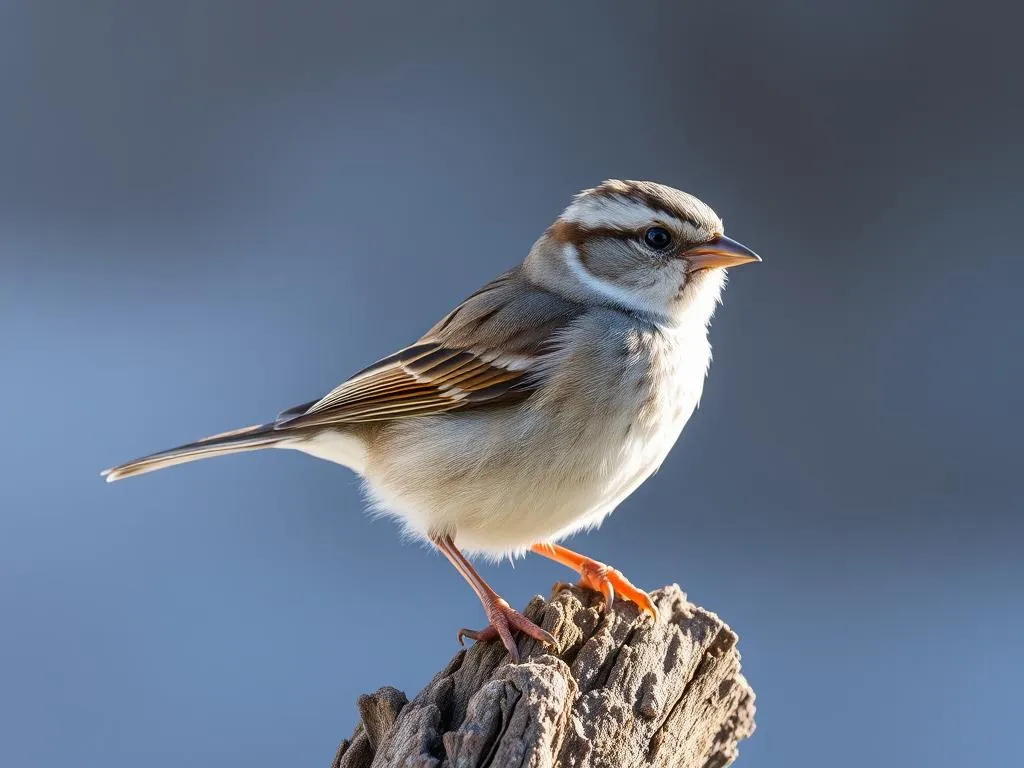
<point>499,481</point>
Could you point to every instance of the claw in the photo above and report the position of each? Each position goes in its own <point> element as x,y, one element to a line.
<point>595,575</point>
<point>477,635</point>
<point>547,639</point>
<point>647,605</point>
<point>609,595</point>
<point>503,619</point>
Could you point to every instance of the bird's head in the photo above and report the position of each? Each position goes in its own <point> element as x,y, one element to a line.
<point>639,246</point>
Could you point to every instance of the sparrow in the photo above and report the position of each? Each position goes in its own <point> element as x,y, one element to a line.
<point>532,409</point>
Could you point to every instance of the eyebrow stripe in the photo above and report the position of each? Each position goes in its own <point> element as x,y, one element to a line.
<point>575,233</point>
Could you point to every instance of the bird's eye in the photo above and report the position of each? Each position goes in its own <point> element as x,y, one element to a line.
<point>657,238</point>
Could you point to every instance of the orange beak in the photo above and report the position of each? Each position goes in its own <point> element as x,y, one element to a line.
<point>719,253</point>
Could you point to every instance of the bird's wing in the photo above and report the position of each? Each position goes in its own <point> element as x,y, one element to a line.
<point>422,379</point>
<point>492,349</point>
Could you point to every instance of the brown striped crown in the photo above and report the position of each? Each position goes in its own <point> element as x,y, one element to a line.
<point>625,209</point>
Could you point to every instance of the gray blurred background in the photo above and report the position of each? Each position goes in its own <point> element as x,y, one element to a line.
<point>212,211</point>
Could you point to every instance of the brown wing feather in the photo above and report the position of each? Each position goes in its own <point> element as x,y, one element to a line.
<point>424,378</point>
<point>489,350</point>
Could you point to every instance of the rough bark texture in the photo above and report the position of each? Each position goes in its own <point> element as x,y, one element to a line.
<point>623,691</point>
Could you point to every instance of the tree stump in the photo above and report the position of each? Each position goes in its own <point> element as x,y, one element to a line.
<point>622,691</point>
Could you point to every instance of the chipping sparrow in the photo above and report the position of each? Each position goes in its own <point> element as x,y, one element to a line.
<point>537,404</point>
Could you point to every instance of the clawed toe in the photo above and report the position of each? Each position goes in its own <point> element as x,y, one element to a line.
<point>598,576</point>
<point>610,581</point>
<point>594,575</point>
<point>484,635</point>
<point>503,620</point>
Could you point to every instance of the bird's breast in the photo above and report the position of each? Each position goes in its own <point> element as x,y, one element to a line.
<point>670,374</point>
<point>502,479</point>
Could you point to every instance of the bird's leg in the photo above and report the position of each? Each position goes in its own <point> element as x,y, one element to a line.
<point>501,617</point>
<point>598,576</point>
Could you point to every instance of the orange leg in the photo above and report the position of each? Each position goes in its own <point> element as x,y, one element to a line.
<point>598,576</point>
<point>501,617</point>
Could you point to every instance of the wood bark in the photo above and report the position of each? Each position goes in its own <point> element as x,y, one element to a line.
<point>622,690</point>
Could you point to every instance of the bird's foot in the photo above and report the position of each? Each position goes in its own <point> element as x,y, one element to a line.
<point>598,576</point>
<point>503,619</point>
<point>610,582</point>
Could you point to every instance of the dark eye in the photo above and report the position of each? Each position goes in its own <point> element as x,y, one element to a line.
<point>657,238</point>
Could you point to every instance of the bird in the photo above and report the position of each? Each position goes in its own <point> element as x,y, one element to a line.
<point>538,404</point>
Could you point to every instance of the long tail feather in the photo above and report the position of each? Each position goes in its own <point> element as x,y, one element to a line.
<point>253,438</point>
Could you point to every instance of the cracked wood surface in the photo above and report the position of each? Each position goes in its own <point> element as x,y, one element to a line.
<point>622,691</point>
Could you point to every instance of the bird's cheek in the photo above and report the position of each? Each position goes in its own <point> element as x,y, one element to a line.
<point>681,289</point>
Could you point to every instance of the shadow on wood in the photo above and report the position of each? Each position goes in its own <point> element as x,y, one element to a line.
<point>623,691</point>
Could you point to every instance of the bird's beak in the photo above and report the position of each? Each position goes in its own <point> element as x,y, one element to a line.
<point>719,253</point>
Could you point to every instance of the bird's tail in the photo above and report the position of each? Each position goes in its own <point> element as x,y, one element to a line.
<point>253,438</point>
